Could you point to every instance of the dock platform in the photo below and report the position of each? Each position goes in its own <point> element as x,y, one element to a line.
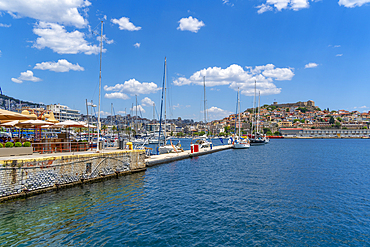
<point>170,157</point>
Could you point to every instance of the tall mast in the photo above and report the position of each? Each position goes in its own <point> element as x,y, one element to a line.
<point>239,109</point>
<point>205,101</point>
<point>88,125</point>
<point>153,111</point>
<point>165,94</point>
<point>136,123</point>
<point>258,117</point>
<point>160,115</point>
<point>101,51</point>
<point>254,108</point>
<point>111,114</point>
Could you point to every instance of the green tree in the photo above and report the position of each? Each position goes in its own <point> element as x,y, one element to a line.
<point>302,109</point>
<point>265,130</point>
<point>339,119</point>
<point>269,133</point>
<point>337,125</point>
<point>276,133</point>
<point>201,133</point>
<point>331,121</point>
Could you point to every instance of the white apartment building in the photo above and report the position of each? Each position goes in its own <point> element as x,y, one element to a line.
<point>63,113</point>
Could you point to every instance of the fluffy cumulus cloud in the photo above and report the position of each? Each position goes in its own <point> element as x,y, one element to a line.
<point>61,66</point>
<point>116,95</point>
<point>5,25</point>
<point>311,65</point>
<point>190,24</point>
<point>217,113</point>
<point>147,102</point>
<point>132,87</point>
<point>26,76</point>
<point>137,45</point>
<point>139,109</point>
<point>59,11</point>
<point>282,4</point>
<point>125,24</point>
<point>236,77</point>
<point>60,41</point>
<point>352,3</point>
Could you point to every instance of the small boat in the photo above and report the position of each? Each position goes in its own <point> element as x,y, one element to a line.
<point>238,141</point>
<point>165,148</point>
<point>204,143</point>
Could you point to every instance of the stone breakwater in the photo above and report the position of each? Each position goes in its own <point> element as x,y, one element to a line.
<point>21,177</point>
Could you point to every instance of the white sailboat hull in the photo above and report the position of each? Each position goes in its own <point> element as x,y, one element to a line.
<point>241,145</point>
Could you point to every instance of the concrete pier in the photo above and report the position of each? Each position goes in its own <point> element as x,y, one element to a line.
<point>170,157</point>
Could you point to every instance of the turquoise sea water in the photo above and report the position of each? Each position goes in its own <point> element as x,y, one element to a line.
<point>288,192</point>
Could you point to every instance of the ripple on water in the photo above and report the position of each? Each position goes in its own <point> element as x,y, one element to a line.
<point>289,192</point>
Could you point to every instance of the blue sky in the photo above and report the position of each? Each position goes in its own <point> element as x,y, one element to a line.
<point>295,50</point>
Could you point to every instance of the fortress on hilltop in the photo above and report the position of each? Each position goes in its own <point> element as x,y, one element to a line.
<point>309,103</point>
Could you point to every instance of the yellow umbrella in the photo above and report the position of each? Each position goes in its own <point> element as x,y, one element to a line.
<point>10,115</point>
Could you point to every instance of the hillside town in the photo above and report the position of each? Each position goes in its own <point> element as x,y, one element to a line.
<point>287,119</point>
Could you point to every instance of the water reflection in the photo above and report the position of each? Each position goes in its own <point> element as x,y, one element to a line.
<point>70,212</point>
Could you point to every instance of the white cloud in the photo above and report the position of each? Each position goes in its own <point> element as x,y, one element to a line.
<point>190,24</point>
<point>5,25</point>
<point>16,80</point>
<point>116,95</point>
<point>98,38</point>
<point>60,41</point>
<point>125,24</point>
<point>134,87</point>
<point>227,2</point>
<point>104,113</point>
<point>61,66</point>
<point>137,45</point>
<point>26,76</point>
<point>122,112</point>
<point>147,102</point>
<point>235,76</point>
<point>360,107</point>
<point>59,11</point>
<point>353,3</point>
<point>139,108</point>
<point>282,4</point>
<point>311,65</point>
<point>217,113</point>
<point>336,46</point>
<point>339,55</point>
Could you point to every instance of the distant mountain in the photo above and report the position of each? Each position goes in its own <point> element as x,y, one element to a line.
<point>13,104</point>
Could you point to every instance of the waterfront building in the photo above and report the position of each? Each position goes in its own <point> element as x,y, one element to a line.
<point>64,113</point>
<point>324,133</point>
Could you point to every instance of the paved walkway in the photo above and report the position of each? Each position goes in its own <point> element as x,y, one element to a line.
<point>36,156</point>
<point>166,158</point>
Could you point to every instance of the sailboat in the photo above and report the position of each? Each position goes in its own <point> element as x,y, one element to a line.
<point>258,138</point>
<point>239,142</point>
<point>203,142</point>
<point>165,148</point>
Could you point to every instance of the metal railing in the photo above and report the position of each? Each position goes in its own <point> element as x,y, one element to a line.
<point>60,147</point>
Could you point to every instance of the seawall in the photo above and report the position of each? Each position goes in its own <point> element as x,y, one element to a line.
<point>23,176</point>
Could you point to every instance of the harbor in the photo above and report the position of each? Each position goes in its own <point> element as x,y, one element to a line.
<point>26,175</point>
<point>302,191</point>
